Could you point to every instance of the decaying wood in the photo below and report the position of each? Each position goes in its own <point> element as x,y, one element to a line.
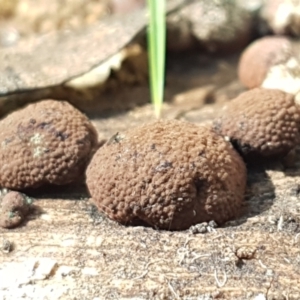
<point>67,250</point>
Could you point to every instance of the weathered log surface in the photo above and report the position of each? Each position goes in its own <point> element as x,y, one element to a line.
<point>67,250</point>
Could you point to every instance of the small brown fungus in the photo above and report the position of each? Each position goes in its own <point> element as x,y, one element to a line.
<point>14,207</point>
<point>48,142</point>
<point>261,123</point>
<point>260,56</point>
<point>169,175</point>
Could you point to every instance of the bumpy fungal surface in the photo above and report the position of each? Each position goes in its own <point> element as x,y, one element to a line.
<point>48,142</point>
<point>261,123</point>
<point>169,175</point>
<point>260,56</point>
<point>14,206</point>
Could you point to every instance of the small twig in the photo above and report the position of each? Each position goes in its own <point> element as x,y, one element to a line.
<point>200,256</point>
<point>220,284</point>
<point>262,265</point>
<point>287,260</point>
<point>172,291</point>
<point>187,241</point>
<point>146,270</point>
<point>280,223</point>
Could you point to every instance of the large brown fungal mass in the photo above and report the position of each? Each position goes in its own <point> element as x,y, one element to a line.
<point>48,142</point>
<point>261,123</point>
<point>169,175</point>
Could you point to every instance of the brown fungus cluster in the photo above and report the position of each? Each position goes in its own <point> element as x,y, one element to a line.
<point>169,175</point>
<point>48,142</point>
<point>261,123</point>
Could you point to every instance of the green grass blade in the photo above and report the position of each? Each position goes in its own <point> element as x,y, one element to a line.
<point>157,51</point>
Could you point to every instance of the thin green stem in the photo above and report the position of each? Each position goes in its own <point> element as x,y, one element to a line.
<point>157,52</point>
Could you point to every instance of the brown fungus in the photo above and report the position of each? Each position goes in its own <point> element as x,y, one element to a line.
<point>14,207</point>
<point>260,56</point>
<point>261,123</point>
<point>169,175</point>
<point>48,142</point>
